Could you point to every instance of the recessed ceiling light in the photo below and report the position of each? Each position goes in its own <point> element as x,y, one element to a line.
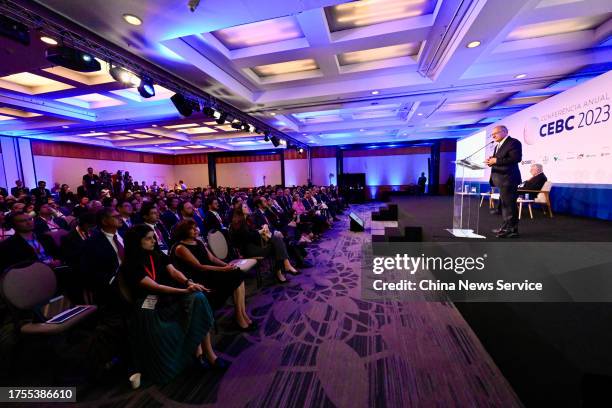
<point>273,113</point>
<point>48,40</point>
<point>153,125</point>
<point>473,44</point>
<point>304,134</point>
<point>132,19</point>
<point>419,114</point>
<point>375,92</point>
<point>521,76</point>
<point>362,130</point>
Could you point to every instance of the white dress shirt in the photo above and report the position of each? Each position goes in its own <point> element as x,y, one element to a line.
<point>111,239</point>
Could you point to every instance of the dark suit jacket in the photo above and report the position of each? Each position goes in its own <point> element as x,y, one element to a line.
<point>506,171</point>
<point>211,222</point>
<point>72,248</point>
<point>40,195</point>
<point>98,263</point>
<point>535,183</point>
<point>124,227</point>
<point>40,226</point>
<point>15,191</point>
<point>16,249</point>
<point>169,218</point>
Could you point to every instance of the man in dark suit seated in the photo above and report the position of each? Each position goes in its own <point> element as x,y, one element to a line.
<point>41,193</point>
<point>537,180</point>
<point>102,255</point>
<point>47,221</point>
<point>127,220</point>
<point>505,175</point>
<point>25,245</point>
<point>212,219</point>
<point>150,217</point>
<point>19,189</point>
<point>171,215</point>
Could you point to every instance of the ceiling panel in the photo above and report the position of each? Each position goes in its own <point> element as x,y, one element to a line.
<point>288,67</point>
<point>32,84</point>
<point>367,12</point>
<point>259,33</point>
<point>548,28</point>
<point>377,54</point>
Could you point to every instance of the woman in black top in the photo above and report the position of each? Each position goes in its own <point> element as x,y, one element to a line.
<point>194,258</point>
<point>171,318</point>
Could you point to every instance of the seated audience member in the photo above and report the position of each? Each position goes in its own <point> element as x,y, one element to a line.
<point>47,221</point>
<point>264,216</point>
<point>19,189</point>
<point>72,249</point>
<point>40,193</point>
<point>126,213</point>
<point>537,180</point>
<point>73,244</point>
<point>6,230</point>
<point>102,255</point>
<point>66,197</point>
<point>313,214</point>
<point>192,256</point>
<point>213,220</point>
<point>25,245</point>
<point>253,243</point>
<point>171,215</point>
<point>81,207</point>
<point>150,217</point>
<point>170,321</point>
<point>326,199</point>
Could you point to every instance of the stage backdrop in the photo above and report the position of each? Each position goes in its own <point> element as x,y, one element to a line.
<point>570,135</point>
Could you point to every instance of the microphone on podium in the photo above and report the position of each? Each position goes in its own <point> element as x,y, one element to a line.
<point>490,143</point>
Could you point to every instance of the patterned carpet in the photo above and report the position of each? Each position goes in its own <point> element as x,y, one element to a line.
<point>319,345</point>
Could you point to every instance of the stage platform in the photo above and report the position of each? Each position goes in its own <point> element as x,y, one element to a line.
<point>553,354</point>
<point>435,215</point>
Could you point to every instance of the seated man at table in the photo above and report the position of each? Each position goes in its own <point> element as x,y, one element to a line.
<point>537,180</point>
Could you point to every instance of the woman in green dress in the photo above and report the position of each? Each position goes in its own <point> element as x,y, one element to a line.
<point>171,318</point>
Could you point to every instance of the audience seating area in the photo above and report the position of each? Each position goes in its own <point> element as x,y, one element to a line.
<point>69,265</point>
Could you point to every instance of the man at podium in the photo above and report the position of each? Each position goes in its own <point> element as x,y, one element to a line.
<point>506,176</point>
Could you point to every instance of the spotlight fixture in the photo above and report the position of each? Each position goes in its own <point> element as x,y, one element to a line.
<point>146,88</point>
<point>48,40</point>
<point>474,44</point>
<point>300,150</point>
<point>246,127</point>
<point>272,113</point>
<point>275,141</point>
<point>132,19</point>
<point>123,75</point>
<point>237,125</point>
<point>221,119</point>
<point>73,59</point>
<point>182,105</point>
<point>521,76</point>
<point>258,131</point>
<point>208,111</point>
<point>14,30</point>
<point>375,92</point>
<point>267,136</point>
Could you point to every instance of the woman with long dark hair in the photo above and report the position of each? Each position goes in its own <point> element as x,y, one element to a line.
<point>171,318</point>
<point>194,258</point>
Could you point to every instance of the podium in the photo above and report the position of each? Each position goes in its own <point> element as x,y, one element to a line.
<point>466,202</point>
